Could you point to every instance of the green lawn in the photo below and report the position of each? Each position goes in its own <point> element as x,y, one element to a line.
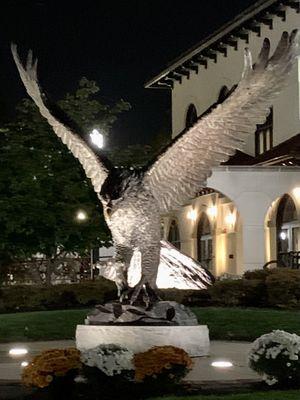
<point>40,325</point>
<point>223,323</point>
<point>246,324</point>
<point>287,395</point>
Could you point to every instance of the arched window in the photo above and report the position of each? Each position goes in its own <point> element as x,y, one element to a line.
<point>288,231</point>
<point>174,236</point>
<point>204,241</point>
<point>191,116</point>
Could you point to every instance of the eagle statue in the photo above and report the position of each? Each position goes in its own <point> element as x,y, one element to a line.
<point>134,199</point>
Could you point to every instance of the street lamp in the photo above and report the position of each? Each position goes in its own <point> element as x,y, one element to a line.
<point>81,215</point>
<point>97,138</point>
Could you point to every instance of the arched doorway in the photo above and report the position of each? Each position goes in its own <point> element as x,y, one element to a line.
<point>288,233</point>
<point>174,236</point>
<point>204,242</point>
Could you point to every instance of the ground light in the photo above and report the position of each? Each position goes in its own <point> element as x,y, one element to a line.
<point>18,351</point>
<point>221,364</point>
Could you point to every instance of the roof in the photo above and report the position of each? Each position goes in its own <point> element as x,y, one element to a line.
<point>250,20</point>
<point>286,153</point>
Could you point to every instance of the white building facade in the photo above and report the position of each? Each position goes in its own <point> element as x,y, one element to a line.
<point>250,215</point>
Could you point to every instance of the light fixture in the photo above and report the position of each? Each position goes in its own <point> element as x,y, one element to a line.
<point>97,138</point>
<point>81,215</point>
<point>283,235</point>
<point>230,219</point>
<point>296,192</point>
<point>212,211</point>
<point>192,215</point>
<point>24,364</point>
<point>18,351</point>
<point>222,364</point>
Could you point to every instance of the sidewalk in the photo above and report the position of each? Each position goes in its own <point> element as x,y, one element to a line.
<point>236,352</point>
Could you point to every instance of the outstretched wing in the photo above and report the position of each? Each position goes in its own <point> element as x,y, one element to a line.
<point>94,167</point>
<point>179,172</point>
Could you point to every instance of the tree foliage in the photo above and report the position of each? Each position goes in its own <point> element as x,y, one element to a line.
<point>42,186</point>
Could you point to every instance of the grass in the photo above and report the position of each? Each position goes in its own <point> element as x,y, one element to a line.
<point>248,323</point>
<point>224,323</point>
<point>40,325</point>
<point>278,395</point>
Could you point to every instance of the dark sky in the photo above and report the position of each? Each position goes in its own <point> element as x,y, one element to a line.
<point>120,44</point>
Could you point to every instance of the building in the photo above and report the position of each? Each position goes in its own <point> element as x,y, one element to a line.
<point>249,214</point>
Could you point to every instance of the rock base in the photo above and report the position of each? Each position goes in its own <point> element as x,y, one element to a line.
<point>161,313</point>
<point>193,339</point>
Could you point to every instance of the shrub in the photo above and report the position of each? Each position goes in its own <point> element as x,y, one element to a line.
<point>283,287</point>
<point>257,274</point>
<point>187,297</point>
<point>32,298</point>
<point>275,356</point>
<point>241,292</point>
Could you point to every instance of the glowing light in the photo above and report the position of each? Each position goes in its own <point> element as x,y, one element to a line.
<point>81,215</point>
<point>97,138</point>
<point>24,364</point>
<point>230,219</point>
<point>192,215</point>
<point>212,211</point>
<point>18,351</point>
<point>222,364</point>
<point>296,192</point>
<point>283,235</point>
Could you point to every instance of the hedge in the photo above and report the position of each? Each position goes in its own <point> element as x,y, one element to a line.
<point>279,288</point>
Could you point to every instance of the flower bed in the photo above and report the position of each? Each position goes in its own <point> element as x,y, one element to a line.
<point>105,371</point>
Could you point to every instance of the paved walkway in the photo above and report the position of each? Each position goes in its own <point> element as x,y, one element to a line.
<point>236,352</point>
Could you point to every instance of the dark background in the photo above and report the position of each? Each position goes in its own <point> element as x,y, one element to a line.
<point>119,44</point>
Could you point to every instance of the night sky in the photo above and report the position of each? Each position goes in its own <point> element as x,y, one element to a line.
<point>119,44</point>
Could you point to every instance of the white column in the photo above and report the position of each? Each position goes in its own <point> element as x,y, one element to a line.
<point>253,207</point>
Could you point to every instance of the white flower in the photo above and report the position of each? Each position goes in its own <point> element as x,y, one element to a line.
<point>269,347</point>
<point>110,359</point>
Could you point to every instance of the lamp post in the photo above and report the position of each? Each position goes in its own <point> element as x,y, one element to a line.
<point>97,139</point>
<point>82,216</point>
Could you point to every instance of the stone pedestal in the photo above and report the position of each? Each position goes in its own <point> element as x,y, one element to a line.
<point>193,339</point>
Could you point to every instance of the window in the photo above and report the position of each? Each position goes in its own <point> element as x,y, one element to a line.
<point>204,242</point>
<point>264,135</point>
<point>288,233</point>
<point>174,236</point>
<point>191,116</point>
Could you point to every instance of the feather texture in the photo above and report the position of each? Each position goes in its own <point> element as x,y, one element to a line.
<point>91,163</point>
<point>178,174</point>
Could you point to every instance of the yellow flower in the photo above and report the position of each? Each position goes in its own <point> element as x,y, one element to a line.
<point>155,360</point>
<point>49,363</point>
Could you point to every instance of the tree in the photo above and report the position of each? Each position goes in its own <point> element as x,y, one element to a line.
<point>42,185</point>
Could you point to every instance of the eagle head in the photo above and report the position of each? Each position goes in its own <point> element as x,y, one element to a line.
<point>117,184</point>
